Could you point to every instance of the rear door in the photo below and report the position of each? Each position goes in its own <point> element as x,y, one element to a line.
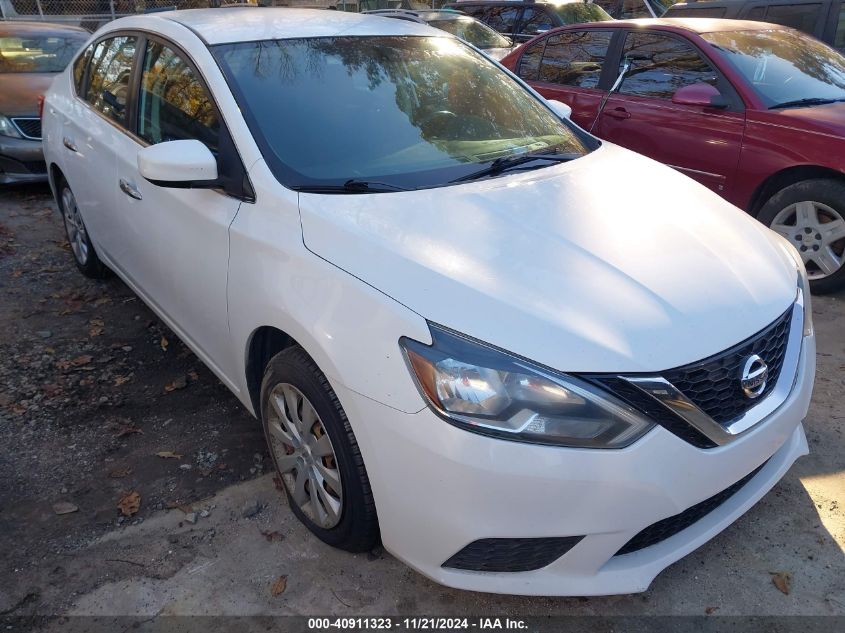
<point>91,129</point>
<point>570,66</point>
<point>704,143</point>
<point>175,241</point>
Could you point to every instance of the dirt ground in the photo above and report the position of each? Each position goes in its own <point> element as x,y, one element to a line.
<point>99,400</point>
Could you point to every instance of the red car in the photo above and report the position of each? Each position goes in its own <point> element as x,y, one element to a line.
<point>754,111</point>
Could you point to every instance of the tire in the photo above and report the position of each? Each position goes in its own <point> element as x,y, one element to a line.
<point>811,215</point>
<point>293,382</point>
<point>81,247</point>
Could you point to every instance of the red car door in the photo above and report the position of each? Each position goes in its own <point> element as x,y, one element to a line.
<point>567,66</point>
<point>701,142</point>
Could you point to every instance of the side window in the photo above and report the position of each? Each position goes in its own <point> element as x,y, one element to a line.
<point>111,66</point>
<point>501,19</point>
<point>476,11</point>
<point>799,16</point>
<point>661,64</point>
<point>575,58</point>
<point>613,7</point>
<point>697,12</point>
<point>839,38</point>
<point>756,13</point>
<point>79,67</point>
<point>529,63</point>
<point>173,103</point>
<point>535,21</point>
<point>634,9</point>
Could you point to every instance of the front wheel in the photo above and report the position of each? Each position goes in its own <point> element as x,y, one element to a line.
<point>316,454</point>
<point>811,215</point>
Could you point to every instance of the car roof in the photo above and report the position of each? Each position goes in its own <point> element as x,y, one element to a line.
<point>695,25</point>
<point>425,15</point>
<point>249,24</point>
<point>14,27</point>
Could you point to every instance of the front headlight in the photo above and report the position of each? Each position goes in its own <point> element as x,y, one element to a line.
<point>7,129</point>
<point>486,390</point>
<point>803,281</point>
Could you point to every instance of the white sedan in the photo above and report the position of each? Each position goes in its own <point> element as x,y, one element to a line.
<point>466,326</point>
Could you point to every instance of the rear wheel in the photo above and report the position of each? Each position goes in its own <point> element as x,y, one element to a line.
<point>77,235</point>
<point>315,453</point>
<point>811,215</point>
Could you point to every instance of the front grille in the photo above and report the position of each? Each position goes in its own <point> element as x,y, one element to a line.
<point>30,127</point>
<point>660,531</point>
<point>511,554</point>
<point>713,384</point>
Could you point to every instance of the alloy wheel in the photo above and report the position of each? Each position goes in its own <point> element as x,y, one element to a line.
<point>304,455</point>
<point>76,234</point>
<point>818,232</point>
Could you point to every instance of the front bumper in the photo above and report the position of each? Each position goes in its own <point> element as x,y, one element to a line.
<point>439,488</point>
<point>21,160</point>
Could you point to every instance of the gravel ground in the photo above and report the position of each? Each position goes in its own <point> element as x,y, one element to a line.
<point>99,400</point>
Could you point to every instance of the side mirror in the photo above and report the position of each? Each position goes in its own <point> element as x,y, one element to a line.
<point>701,95</point>
<point>560,108</point>
<point>184,164</point>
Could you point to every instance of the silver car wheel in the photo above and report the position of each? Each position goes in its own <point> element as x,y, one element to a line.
<point>76,234</point>
<point>304,455</point>
<point>818,232</point>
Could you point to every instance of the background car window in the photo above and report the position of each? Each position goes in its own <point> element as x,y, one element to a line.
<point>756,13</point>
<point>535,21</point>
<point>696,12</point>
<point>575,59</point>
<point>661,64</point>
<point>529,63</point>
<point>79,68</point>
<point>799,16</point>
<point>174,105</point>
<point>839,38</point>
<point>111,66</point>
<point>38,53</point>
<point>476,11</point>
<point>501,18</point>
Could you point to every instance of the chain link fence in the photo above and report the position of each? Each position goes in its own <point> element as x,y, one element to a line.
<point>93,13</point>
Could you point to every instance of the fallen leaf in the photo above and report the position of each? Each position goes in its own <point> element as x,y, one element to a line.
<point>129,503</point>
<point>179,383</point>
<point>278,484</point>
<point>97,327</point>
<point>128,430</point>
<point>273,536</point>
<point>782,580</point>
<point>17,273</point>
<point>279,586</point>
<point>169,455</point>
<point>119,473</point>
<point>163,343</point>
<point>711,610</point>
<point>121,380</point>
<point>80,361</point>
<point>64,507</point>
<point>193,376</point>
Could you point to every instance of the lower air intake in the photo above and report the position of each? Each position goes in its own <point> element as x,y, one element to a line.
<point>511,554</point>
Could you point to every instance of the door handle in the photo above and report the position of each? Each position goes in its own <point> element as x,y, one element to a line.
<point>69,144</point>
<point>618,113</point>
<point>129,189</point>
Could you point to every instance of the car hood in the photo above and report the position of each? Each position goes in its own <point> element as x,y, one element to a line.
<point>20,92</point>
<point>612,262</point>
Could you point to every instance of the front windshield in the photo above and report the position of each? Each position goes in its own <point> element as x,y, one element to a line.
<point>408,111</point>
<point>38,53</point>
<point>578,12</point>
<point>783,66</point>
<point>476,33</point>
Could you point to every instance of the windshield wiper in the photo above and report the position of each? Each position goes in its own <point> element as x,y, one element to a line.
<point>352,185</point>
<point>505,163</point>
<point>811,101</point>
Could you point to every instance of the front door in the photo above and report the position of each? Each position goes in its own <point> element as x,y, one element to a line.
<point>176,239</point>
<point>701,142</point>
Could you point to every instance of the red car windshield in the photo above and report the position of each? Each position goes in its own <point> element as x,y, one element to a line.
<point>784,67</point>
